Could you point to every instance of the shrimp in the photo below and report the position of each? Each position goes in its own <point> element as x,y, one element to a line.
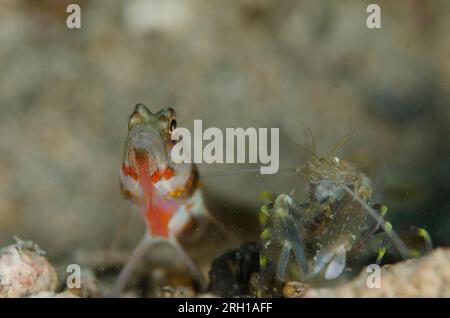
<point>168,194</point>
<point>338,217</point>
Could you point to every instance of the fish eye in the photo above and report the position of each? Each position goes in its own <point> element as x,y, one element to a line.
<point>173,125</point>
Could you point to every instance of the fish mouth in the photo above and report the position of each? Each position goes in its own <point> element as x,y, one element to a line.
<point>142,160</point>
<point>147,148</point>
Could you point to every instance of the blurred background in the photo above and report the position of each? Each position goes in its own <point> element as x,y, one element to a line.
<point>65,96</point>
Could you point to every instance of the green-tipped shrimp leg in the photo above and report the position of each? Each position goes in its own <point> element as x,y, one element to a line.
<point>266,241</point>
<point>427,239</point>
<point>421,247</point>
<point>387,229</point>
<point>382,249</point>
<point>290,229</point>
<point>369,233</point>
<point>281,228</point>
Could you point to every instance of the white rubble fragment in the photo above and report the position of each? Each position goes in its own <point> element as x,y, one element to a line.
<point>25,271</point>
<point>46,294</point>
<point>428,276</point>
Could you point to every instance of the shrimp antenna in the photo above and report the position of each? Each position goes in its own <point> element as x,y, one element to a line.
<point>312,141</point>
<point>312,153</point>
<point>285,137</point>
<point>339,144</point>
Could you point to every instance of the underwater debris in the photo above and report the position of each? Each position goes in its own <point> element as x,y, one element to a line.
<point>46,294</point>
<point>90,285</point>
<point>231,272</point>
<point>294,289</point>
<point>175,292</point>
<point>167,283</point>
<point>424,277</point>
<point>24,271</point>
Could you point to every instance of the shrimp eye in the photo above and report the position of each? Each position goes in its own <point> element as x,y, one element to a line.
<point>173,125</point>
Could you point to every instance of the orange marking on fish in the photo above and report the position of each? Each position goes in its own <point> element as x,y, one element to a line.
<point>178,192</point>
<point>158,215</point>
<point>158,175</point>
<point>158,212</point>
<point>168,173</point>
<point>129,172</point>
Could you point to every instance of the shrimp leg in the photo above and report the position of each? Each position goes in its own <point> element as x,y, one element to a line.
<point>393,236</point>
<point>426,237</point>
<point>283,262</point>
<point>264,266</point>
<point>421,233</point>
<point>369,233</point>
<point>382,249</point>
<point>295,243</point>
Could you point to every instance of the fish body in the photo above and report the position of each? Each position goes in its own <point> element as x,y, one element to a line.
<point>168,194</point>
